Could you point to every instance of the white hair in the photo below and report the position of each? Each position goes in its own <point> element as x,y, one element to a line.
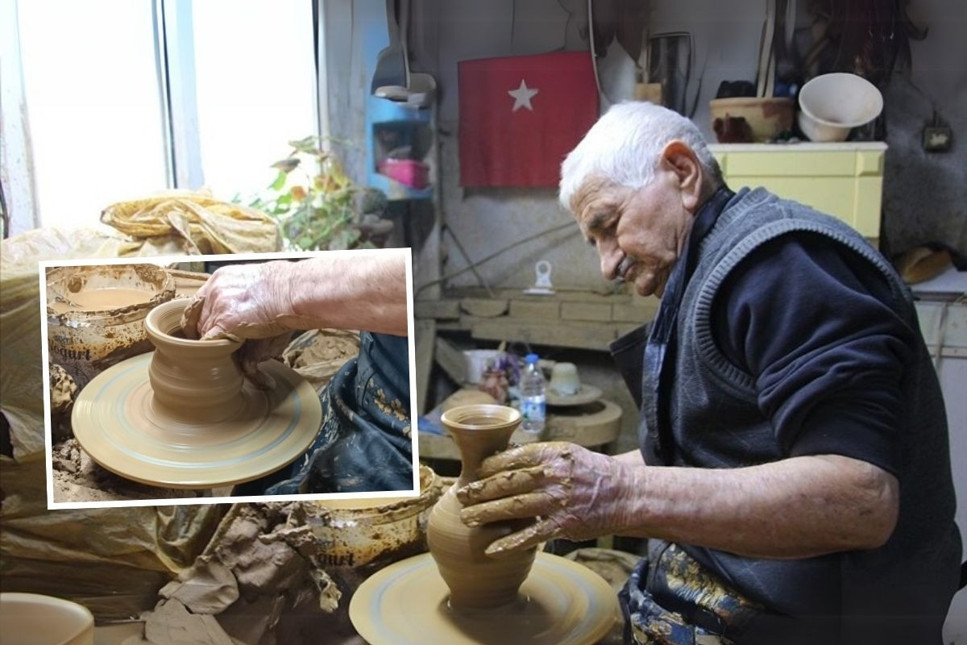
<point>625,145</point>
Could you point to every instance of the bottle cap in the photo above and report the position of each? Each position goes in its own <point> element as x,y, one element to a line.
<point>530,358</point>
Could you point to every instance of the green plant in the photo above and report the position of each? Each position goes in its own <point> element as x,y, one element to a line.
<point>314,201</point>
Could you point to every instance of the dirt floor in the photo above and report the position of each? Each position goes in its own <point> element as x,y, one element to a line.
<point>78,479</point>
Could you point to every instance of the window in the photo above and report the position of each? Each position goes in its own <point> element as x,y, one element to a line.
<point>255,88</point>
<point>93,104</point>
<point>126,98</point>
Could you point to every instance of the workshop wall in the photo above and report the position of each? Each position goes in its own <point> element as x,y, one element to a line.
<point>925,194</point>
<point>488,220</point>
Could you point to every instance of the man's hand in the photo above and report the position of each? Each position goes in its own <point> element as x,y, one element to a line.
<point>245,303</point>
<point>241,301</point>
<point>569,491</point>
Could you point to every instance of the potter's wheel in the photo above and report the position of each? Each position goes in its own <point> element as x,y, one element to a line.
<point>115,423</point>
<point>560,603</point>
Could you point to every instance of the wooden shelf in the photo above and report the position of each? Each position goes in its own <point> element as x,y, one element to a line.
<point>573,319</point>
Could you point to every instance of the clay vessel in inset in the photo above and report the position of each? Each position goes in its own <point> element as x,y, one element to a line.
<point>194,381</point>
<point>476,580</point>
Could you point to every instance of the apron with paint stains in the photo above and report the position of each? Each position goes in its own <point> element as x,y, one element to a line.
<point>671,600</point>
<point>364,443</point>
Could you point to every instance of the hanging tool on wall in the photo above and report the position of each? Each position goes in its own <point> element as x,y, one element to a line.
<point>864,37</point>
<point>391,78</point>
<point>670,64</point>
<point>787,74</point>
<point>765,72</point>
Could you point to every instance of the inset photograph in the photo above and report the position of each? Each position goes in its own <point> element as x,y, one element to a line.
<point>211,378</point>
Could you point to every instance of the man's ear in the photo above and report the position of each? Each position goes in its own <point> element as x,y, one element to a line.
<point>681,160</point>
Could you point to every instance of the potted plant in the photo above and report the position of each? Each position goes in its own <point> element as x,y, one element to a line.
<point>317,206</point>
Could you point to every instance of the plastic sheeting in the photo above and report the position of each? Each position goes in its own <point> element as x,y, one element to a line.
<point>200,223</point>
<point>111,560</point>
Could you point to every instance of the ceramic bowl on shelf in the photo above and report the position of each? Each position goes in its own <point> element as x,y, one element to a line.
<point>833,104</point>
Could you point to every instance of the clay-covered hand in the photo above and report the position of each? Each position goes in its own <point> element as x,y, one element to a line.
<point>252,352</point>
<point>255,351</point>
<point>242,301</point>
<point>567,490</point>
<point>249,303</point>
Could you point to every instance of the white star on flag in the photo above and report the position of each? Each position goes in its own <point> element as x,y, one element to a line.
<point>522,97</point>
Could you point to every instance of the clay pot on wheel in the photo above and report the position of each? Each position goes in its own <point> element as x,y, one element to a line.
<point>475,580</point>
<point>195,381</point>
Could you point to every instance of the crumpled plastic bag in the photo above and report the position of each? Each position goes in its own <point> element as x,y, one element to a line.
<point>201,223</point>
<point>21,375</point>
<point>172,224</point>
<point>112,560</point>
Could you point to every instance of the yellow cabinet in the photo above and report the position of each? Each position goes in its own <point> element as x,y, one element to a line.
<point>842,179</point>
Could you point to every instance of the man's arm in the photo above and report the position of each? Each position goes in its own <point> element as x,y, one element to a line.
<point>367,293</point>
<point>794,508</point>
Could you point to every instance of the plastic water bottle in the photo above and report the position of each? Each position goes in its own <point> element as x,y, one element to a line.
<point>533,396</point>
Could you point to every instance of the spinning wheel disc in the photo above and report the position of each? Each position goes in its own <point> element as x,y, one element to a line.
<point>118,424</point>
<point>560,603</point>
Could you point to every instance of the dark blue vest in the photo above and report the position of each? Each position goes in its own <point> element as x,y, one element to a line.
<point>704,414</point>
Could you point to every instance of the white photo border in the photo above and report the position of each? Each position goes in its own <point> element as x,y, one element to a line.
<point>165,261</point>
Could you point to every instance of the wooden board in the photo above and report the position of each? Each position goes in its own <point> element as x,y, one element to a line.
<point>581,335</point>
<point>484,307</point>
<point>450,359</point>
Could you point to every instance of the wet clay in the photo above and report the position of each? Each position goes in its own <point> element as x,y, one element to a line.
<point>475,580</point>
<point>459,595</point>
<point>63,391</point>
<point>77,478</point>
<point>101,300</point>
<point>192,381</point>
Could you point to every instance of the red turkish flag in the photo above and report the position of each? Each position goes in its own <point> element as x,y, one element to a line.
<point>520,116</point>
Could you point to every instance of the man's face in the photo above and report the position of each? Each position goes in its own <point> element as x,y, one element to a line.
<point>638,233</point>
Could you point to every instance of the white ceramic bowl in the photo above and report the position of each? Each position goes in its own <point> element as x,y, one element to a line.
<point>833,104</point>
<point>34,619</point>
<point>820,131</point>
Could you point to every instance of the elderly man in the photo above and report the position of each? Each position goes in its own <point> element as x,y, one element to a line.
<point>793,474</point>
